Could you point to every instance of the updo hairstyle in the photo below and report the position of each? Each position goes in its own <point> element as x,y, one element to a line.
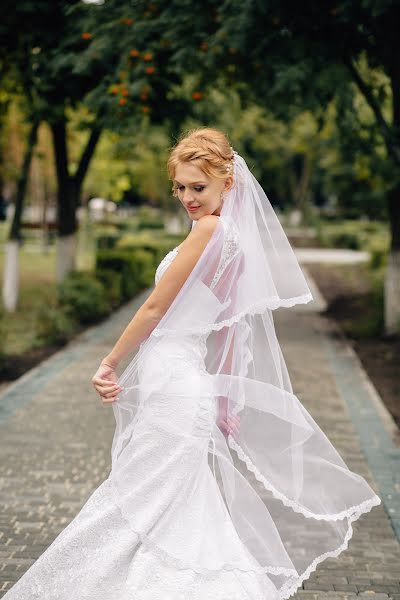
<point>207,148</point>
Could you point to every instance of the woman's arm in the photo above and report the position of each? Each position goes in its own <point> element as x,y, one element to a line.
<point>164,293</point>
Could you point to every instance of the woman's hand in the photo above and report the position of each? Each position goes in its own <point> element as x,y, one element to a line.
<point>105,382</point>
<point>227,422</point>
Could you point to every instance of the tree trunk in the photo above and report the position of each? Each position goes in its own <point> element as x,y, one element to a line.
<point>11,275</point>
<point>68,195</point>
<point>11,265</point>
<point>391,135</point>
<point>392,275</point>
<point>65,255</point>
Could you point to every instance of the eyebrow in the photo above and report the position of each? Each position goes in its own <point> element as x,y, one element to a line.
<point>193,182</point>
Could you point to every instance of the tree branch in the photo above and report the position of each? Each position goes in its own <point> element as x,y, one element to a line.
<point>387,133</point>
<point>87,155</point>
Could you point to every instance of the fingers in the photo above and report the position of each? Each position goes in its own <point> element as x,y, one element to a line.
<point>229,425</point>
<point>107,390</point>
<point>111,397</point>
<point>233,424</point>
<point>103,382</point>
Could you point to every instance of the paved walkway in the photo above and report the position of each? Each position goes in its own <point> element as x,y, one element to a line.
<point>331,255</point>
<point>55,441</point>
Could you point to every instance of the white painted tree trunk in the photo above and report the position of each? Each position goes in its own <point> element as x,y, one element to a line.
<point>11,276</point>
<point>392,293</point>
<point>65,255</point>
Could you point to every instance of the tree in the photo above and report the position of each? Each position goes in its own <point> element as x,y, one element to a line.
<point>293,57</point>
<point>313,52</point>
<point>83,59</point>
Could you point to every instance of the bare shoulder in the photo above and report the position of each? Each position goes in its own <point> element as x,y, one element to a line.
<point>206,225</point>
<point>200,233</point>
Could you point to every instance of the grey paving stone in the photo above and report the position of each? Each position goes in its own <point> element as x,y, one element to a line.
<point>55,443</point>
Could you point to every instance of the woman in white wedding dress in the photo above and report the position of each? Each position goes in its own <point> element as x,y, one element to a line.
<point>222,485</point>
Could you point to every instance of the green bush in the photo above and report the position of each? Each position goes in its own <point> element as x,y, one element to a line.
<point>144,267</point>
<point>107,241</point>
<point>83,296</point>
<point>346,239</point>
<point>136,267</point>
<point>119,261</point>
<point>150,224</point>
<point>378,257</point>
<point>157,247</point>
<point>54,325</point>
<point>112,282</point>
<point>353,234</point>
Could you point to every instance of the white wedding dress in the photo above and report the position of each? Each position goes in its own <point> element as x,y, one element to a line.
<point>158,527</point>
<point>111,552</point>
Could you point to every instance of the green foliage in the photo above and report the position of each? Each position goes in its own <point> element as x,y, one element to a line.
<point>371,321</point>
<point>379,257</point>
<point>158,247</point>
<point>353,234</point>
<point>134,261</point>
<point>112,282</point>
<point>144,267</point>
<point>150,224</point>
<point>123,262</point>
<point>54,325</point>
<point>107,241</point>
<point>378,247</point>
<point>83,296</point>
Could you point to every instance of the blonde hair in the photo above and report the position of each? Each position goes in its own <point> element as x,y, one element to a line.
<point>207,148</point>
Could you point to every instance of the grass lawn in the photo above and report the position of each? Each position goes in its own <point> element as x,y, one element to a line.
<point>37,288</point>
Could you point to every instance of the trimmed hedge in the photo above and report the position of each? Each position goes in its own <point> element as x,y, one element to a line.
<point>111,281</point>
<point>135,267</point>
<point>83,296</point>
<point>158,247</point>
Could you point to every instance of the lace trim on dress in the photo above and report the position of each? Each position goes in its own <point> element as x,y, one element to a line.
<point>230,249</point>
<point>355,510</point>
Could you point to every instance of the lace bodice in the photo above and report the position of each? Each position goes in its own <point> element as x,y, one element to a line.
<point>229,251</point>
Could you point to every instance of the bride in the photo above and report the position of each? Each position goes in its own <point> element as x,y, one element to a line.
<point>222,486</point>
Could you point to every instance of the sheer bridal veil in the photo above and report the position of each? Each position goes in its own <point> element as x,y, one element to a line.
<point>290,495</point>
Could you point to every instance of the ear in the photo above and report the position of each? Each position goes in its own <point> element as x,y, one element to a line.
<point>228,183</point>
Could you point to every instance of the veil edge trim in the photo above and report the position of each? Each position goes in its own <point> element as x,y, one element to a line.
<point>290,587</point>
<point>354,511</point>
<point>273,302</point>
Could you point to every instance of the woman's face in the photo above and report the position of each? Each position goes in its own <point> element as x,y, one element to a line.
<point>199,194</point>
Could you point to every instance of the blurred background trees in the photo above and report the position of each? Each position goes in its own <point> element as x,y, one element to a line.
<point>93,95</point>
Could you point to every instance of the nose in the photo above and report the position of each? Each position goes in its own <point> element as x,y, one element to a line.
<point>187,196</point>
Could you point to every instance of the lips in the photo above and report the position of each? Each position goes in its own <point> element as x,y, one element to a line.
<point>193,208</point>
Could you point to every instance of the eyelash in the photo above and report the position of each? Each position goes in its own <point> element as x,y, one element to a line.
<point>179,187</point>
